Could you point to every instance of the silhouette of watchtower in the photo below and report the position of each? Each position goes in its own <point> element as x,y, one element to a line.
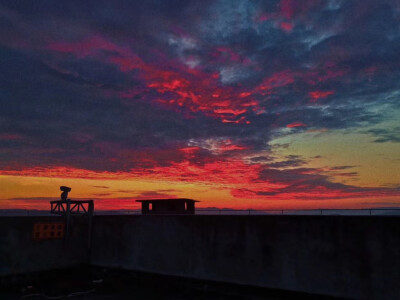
<point>180,206</point>
<point>70,208</point>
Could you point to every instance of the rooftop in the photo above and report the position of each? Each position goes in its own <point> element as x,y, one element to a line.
<point>170,200</point>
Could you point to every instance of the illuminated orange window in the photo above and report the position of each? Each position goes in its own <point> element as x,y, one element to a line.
<point>43,231</point>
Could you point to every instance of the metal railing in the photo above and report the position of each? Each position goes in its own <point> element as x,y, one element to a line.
<point>311,212</point>
<point>230,212</point>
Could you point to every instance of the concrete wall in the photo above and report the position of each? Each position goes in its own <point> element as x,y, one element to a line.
<point>20,253</point>
<point>355,257</point>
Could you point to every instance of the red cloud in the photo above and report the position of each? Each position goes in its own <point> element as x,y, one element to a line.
<point>296,124</point>
<point>189,150</point>
<point>320,94</point>
<point>287,9</point>
<point>286,26</point>
<point>278,79</point>
<point>241,179</point>
<point>194,90</point>
<point>180,86</point>
<point>264,17</point>
<point>10,137</point>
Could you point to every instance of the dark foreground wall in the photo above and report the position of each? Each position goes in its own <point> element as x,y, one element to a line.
<point>20,253</point>
<point>355,257</point>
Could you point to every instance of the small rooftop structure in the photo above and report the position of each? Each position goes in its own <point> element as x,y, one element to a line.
<point>181,206</point>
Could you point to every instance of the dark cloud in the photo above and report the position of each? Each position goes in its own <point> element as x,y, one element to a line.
<point>259,159</point>
<point>341,168</point>
<point>32,198</point>
<point>292,161</point>
<point>101,194</point>
<point>124,86</point>
<point>384,135</point>
<point>154,195</point>
<point>307,183</point>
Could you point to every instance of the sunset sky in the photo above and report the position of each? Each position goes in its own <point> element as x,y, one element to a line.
<point>239,104</point>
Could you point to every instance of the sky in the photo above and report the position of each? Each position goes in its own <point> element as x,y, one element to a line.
<point>239,104</point>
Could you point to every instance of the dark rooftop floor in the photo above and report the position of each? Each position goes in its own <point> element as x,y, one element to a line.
<point>94,283</point>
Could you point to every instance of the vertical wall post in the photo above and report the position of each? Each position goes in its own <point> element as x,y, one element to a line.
<point>68,217</point>
<point>90,221</point>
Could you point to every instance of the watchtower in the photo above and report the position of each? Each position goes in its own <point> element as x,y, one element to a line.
<point>69,208</point>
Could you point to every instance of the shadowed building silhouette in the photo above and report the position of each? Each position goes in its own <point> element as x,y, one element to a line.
<point>182,206</point>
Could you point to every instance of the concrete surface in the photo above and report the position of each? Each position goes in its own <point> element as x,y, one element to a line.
<point>341,256</point>
<point>355,257</point>
<point>20,253</point>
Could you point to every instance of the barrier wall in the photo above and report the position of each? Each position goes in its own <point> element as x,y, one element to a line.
<point>342,256</point>
<point>355,257</point>
<point>29,244</point>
